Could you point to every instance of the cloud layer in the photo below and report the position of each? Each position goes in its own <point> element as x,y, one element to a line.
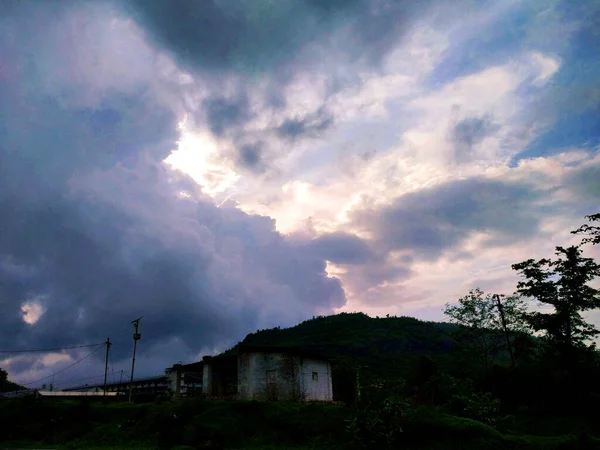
<point>219,166</point>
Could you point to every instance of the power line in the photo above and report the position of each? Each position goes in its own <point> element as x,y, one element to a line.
<point>78,380</point>
<point>49,349</point>
<point>66,368</point>
<point>72,383</point>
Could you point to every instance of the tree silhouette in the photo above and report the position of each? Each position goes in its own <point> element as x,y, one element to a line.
<point>591,232</point>
<point>480,323</point>
<point>562,284</point>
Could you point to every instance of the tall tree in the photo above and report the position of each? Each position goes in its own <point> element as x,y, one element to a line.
<point>562,284</point>
<point>5,384</point>
<point>3,379</point>
<point>480,322</point>
<point>591,232</point>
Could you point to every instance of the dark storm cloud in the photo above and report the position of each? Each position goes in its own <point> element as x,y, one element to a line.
<point>94,229</point>
<point>431,221</point>
<point>261,35</point>
<point>467,134</point>
<point>223,113</point>
<point>97,262</point>
<point>342,248</point>
<point>251,156</point>
<point>308,125</point>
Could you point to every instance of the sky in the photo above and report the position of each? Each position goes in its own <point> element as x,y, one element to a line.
<point>223,166</point>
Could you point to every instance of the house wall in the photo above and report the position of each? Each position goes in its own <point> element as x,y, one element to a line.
<point>253,370</point>
<point>319,389</point>
<point>207,379</point>
<point>171,379</point>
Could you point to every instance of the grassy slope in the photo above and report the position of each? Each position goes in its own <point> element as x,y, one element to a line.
<point>231,424</point>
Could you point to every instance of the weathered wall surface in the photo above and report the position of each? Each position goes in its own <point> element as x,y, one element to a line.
<point>315,380</point>
<point>171,379</point>
<point>268,376</point>
<point>277,376</point>
<point>207,379</point>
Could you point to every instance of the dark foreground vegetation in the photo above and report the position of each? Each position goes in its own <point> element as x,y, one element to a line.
<point>502,375</point>
<point>195,423</point>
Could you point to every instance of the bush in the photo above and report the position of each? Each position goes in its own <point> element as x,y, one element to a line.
<point>475,405</point>
<point>377,421</point>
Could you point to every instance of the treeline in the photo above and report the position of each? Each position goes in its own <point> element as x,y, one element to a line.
<point>6,385</point>
<point>534,366</point>
<point>553,356</point>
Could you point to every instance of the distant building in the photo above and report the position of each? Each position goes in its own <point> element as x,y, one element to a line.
<point>58,394</point>
<point>77,394</point>
<point>185,380</point>
<point>142,387</point>
<point>268,373</point>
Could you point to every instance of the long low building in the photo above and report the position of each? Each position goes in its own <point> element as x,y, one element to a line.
<point>256,373</point>
<point>57,394</point>
<point>150,386</point>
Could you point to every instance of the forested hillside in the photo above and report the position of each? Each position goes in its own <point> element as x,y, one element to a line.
<point>383,347</point>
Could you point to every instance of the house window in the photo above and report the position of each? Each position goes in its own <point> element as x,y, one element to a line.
<point>315,376</point>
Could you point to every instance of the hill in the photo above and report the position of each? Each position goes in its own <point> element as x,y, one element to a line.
<point>385,347</point>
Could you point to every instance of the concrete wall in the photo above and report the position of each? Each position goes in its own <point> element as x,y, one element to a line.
<point>315,380</point>
<point>255,368</point>
<point>292,375</point>
<point>171,379</point>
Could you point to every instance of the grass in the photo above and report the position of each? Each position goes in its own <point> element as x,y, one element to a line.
<point>197,423</point>
<point>193,424</point>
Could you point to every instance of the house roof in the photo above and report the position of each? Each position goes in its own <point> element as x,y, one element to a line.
<point>191,367</point>
<point>252,348</point>
<point>296,351</point>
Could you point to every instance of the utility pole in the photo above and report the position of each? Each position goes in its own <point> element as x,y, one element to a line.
<point>358,367</point>
<point>136,337</point>
<point>106,364</point>
<point>503,319</point>
<point>358,383</point>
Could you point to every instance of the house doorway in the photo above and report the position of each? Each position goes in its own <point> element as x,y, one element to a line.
<point>271,385</point>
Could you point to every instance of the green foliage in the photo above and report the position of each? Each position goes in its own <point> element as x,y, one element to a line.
<point>6,385</point>
<point>481,327</point>
<point>385,419</point>
<point>477,405</point>
<point>378,416</point>
<point>194,423</point>
<point>562,284</point>
<point>591,232</point>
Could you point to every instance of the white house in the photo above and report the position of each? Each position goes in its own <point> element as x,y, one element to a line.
<point>268,373</point>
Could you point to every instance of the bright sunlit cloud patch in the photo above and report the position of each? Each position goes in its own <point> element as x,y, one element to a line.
<point>32,311</point>
<point>197,156</point>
